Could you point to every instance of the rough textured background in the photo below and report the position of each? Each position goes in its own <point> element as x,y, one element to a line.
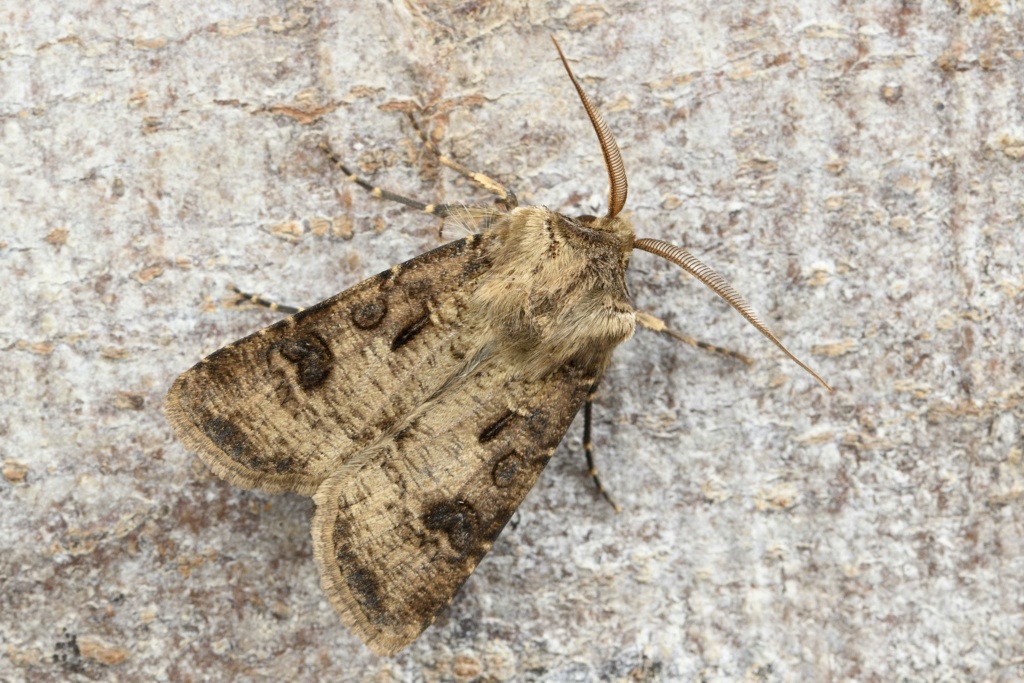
<point>856,168</point>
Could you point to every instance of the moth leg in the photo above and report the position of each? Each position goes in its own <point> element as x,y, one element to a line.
<point>658,325</point>
<point>438,210</point>
<point>504,194</point>
<point>588,444</point>
<point>243,297</point>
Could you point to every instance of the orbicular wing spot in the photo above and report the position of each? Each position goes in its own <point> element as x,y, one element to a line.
<point>285,407</point>
<point>307,359</point>
<point>397,532</point>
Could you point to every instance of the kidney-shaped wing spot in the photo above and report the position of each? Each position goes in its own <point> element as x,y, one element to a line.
<point>401,526</point>
<point>281,409</point>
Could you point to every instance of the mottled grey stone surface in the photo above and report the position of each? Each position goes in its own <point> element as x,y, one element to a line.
<point>856,168</point>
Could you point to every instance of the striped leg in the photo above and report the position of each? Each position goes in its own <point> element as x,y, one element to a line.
<point>658,325</point>
<point>588,444</point>
<point>438,210</point>
<point>504,194</point>
<point>242,297</point>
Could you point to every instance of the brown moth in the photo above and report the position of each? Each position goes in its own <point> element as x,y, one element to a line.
<point>419,407</point>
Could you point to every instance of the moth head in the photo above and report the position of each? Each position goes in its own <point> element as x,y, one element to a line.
<point>617,191</point>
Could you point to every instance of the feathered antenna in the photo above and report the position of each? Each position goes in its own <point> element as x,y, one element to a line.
<point>617,185</point>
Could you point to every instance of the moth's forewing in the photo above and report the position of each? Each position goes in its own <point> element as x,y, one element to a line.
<point>283,408</point>
<point>402,525</point>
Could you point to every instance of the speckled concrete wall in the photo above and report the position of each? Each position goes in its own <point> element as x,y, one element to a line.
<point>857,169</point>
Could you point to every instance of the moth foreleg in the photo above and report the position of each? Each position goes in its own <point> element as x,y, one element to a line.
<point>588,444</point>
<point>504,194</point>
<point>243,297</point>
<point>438,210</point>
<point>658,325</point>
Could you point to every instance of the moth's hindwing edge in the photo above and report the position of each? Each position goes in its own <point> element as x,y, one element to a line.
<point>400,529</point>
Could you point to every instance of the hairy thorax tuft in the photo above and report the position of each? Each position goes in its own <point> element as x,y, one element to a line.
<point>556,289</point>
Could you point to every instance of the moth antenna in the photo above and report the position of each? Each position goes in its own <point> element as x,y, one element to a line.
<point>692,265</point>
<point>617,185</point>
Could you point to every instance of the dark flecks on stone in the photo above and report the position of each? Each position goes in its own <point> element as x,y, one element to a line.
<point>311,356</point>
<point>492,430</point>
<point>369,315</point>
<point>457,520</point>
<point>409,332</point>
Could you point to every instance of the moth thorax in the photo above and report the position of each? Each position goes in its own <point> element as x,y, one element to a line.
<point>555,290</point>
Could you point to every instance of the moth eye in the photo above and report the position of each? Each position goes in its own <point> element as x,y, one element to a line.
<point>586,219</point>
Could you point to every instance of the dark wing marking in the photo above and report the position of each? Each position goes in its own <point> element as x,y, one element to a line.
<point>400,527</point>
<point>283,408</point>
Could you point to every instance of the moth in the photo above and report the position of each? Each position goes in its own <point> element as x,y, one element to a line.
<point>419,407</point>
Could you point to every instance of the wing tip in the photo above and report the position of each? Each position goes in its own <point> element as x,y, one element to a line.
<point>191,434</point>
